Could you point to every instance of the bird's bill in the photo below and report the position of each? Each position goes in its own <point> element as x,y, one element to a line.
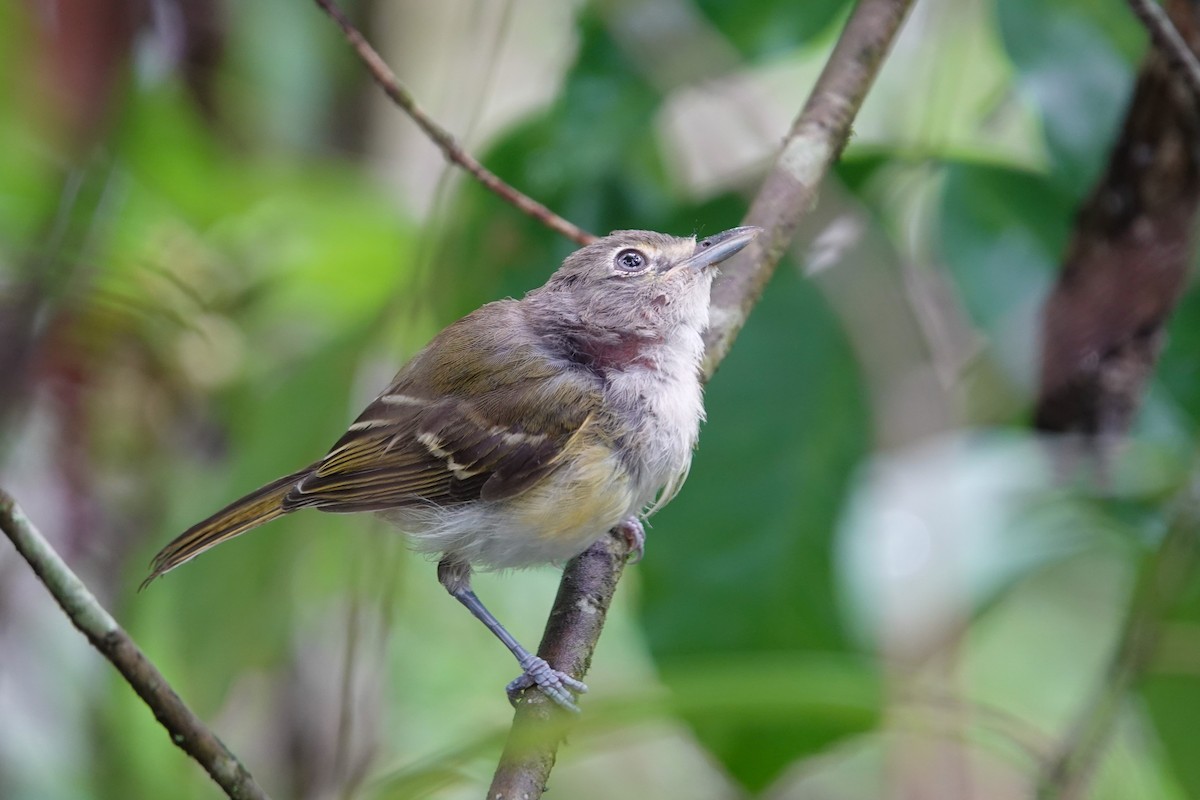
<point>716,249</point>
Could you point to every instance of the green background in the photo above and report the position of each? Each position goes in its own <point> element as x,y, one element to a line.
<point>868,585</point>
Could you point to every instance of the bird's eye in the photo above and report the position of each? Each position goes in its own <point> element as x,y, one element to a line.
<point>630,260</point>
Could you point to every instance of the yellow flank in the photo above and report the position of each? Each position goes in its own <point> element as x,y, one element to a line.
<point>580,501</point>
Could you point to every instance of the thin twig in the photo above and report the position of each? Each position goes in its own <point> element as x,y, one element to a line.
<point>814,142</point>
<point>1160,585</point>
<point>441,137</point>
<point>187,731</point>
<point>1168,40</point>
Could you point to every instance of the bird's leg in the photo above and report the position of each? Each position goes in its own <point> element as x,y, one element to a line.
<point>635,536</point>
<point>558,686</point>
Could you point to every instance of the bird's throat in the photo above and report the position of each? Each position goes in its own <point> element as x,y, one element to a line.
<point>606,351</point>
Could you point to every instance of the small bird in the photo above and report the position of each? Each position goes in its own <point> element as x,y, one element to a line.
<point>525,430</point>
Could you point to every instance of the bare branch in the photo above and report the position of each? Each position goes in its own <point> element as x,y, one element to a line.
<point>1169,41</point>
<point>815,141</point>
<point>576,620</point>
<point>1127,263</point>
<point>187,731</point>
<point>444,140</point>
<point>789,191</point>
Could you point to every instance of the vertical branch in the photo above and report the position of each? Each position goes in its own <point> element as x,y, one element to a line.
<point>187,731</point>
<point>789,191</point>
<point>1127,262</point>
<point>576,620</point>
<point>1123,273</point>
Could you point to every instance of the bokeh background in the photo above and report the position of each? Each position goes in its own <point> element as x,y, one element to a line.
<point>218,241</point>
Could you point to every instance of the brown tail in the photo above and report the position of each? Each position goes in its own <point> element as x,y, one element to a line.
<point>261,505</point>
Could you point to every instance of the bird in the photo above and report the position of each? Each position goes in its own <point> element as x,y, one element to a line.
<point>526,430</point>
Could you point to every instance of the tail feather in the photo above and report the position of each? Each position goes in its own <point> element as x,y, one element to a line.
<point>258,507</point>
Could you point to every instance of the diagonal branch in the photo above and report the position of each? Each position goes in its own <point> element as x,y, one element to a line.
<point>1127,263</point>
<point>789,191</point>
<point>576,621</point>
<point>815,141</point>
<point>1169,41</point>
<point>1159,586</point>
<point>441,137</point>
<point>186,729</point>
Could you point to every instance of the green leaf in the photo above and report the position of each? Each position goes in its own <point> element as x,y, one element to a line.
<point>1173,702</point>
<point>1075,77</point>
<point>1002,234</point>
<point>764,28</point>
<point>1179,370</point>
<point>738,566</point>
<point>1172,689</point>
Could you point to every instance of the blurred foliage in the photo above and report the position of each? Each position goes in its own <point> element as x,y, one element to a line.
<point>207,280</point>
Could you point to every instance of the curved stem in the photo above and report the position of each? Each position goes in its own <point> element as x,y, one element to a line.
<point>187,731</point>
<point>441,137</point>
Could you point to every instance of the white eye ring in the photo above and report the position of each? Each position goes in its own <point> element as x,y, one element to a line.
<point>630,260</point>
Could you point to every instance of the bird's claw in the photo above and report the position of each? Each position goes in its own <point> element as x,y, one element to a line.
<point>556,685</point>
<point>635,537</point>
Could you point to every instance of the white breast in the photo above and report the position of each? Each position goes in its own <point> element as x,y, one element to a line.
<point>663,400</point>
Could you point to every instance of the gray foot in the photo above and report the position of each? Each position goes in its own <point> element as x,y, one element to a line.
<point>556,685</point>
<point>635,535</point>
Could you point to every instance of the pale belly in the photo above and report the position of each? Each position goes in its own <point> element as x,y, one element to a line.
<point>593,490</point>
<point>551,522</point>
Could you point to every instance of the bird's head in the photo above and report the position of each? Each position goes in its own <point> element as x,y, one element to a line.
<point>642,283</point>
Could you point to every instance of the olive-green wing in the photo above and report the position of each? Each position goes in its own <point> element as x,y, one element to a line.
<point>404,451</point>
<point>482,412</point>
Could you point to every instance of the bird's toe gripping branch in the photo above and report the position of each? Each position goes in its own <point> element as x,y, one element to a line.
<point>558,686</point>
<point>635,535</point>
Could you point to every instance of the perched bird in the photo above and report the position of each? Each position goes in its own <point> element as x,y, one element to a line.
<point>527,429</point>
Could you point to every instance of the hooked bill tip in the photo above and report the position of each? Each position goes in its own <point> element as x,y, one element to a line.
<point>714,249</point>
